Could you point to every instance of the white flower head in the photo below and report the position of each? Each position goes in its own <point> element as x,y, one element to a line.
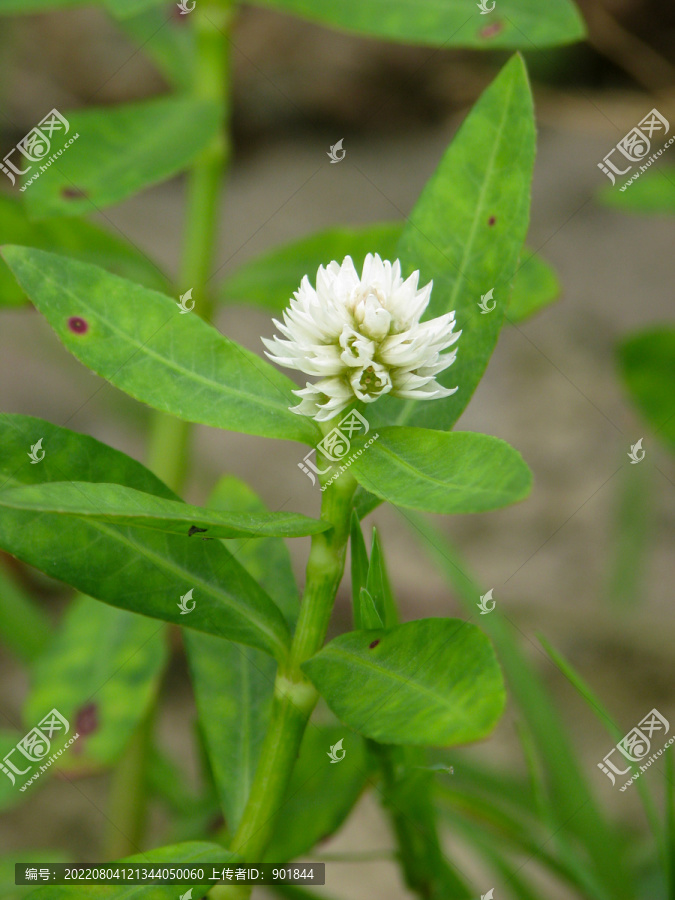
<point>362,337</point>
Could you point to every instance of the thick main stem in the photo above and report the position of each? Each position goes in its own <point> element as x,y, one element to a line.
<point>294,695</point>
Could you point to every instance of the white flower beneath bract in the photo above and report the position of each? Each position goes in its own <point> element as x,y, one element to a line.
<point>363,338</point>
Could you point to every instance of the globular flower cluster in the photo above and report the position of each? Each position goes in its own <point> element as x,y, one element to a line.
<point>362,337</point>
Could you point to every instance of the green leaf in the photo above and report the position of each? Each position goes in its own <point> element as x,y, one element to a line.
<point>647,365</point>
<point>167,41</point>
<point>379,586</point>
<point>11,891</point>
<point>466,233</point>
<point>234,685</point>
<point>447,23</point>
<point>168,783</point>
<point>103,694</point>
<point>24,627</point>
<point>534,287</point>
<point>407,794</point>
<point>131,568</point>
<point>359,567</point>
<point>191,853</point>
<point>267,560</point>
<point>139,341</point>
<point>126,506</point>
<point>653,192</point>
<point>455,472</point>
<point>121,9</point>
<point>26,7</point>
<point>616,733</point>
<point>321,794</point>
<point>72,237</point>
<point>233,688</point>
<point>369,615</point>
<point>269,280</point>
<point>491,846</point>
<point>372,597</point>
<point>571,799</point>
<point>120,150</point>
<point>431,681</point>
<point>10,793</point>
<point>631,538</point>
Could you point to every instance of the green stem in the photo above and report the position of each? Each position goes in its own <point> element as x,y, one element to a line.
<point>170,437</point>
<point>168,448</point>
<point>294,695</point>
<point>407,796</point>
<point>212,22</point>
<point>127,808</point>
<point>169,441</point>
<point>24,627</point>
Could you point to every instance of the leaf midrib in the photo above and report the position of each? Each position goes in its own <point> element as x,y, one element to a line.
<point>386,672</point>
<point>404,415</point>
<point>173,515</point>
<point>403,463</point>
<point>225,388</point>
<point>179,113</point>
<point>187,575</point>
<point>456,7</point>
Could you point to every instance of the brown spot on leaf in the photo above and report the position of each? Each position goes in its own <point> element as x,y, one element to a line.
<point>78,325</point>
<point>374,644</point>
<point>216,823</point>
<point>195,530</point>
<point>73,193</point>
<point>86,719</point>
<point>492,220</point>
<point>491,30</point>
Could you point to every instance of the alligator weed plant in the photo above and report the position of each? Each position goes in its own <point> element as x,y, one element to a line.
<point>392,326</point>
